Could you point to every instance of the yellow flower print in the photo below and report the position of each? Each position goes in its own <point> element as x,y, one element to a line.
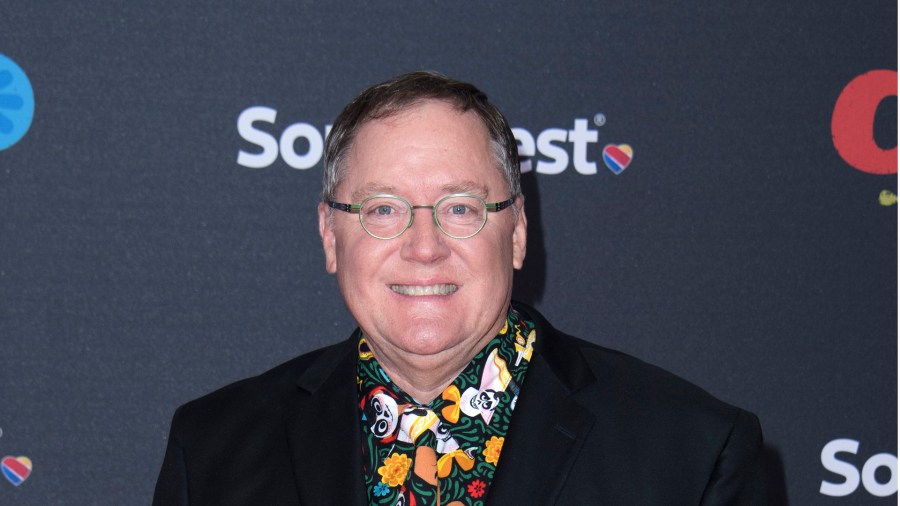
<point>491,450</point>
<point>395,468</point>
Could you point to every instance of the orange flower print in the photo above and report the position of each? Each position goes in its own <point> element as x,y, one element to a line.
<point>492,450</point>
<point>395,468</point>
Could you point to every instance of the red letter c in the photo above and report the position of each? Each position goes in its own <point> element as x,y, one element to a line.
<point>852,124</point>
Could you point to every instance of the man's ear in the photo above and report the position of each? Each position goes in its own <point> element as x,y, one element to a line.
<point>520,233</point>
<point>327,235</point>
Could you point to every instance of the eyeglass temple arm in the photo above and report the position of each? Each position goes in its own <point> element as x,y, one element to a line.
<point>347,208</point>
<point>499,206</point>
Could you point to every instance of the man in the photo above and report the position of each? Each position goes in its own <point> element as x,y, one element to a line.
<point>448,393</point>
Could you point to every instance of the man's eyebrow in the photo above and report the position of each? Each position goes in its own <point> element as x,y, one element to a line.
<point>369,189</point>
<point>467,187</point>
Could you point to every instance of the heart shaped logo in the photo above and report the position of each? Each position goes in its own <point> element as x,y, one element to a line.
<point>618,157</point>
<point>16,469</point>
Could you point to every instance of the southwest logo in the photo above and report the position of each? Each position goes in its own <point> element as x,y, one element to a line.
<point>16,469</point>
<point>16,104</point>
<point>550,152</point>
<point>618,157</point>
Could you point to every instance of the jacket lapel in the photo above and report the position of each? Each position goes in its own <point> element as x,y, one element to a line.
<point>549,425</point>
<point>323,430</point>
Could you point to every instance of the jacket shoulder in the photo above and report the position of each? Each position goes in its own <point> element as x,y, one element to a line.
<point>590,371</point>
<point>640,387</point>
<point>261,396</point>
<point>233,446</point>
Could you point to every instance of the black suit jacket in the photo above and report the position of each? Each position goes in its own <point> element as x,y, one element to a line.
<point>591,426</point>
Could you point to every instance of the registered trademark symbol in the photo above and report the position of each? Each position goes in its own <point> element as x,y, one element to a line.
<point>599,119</point>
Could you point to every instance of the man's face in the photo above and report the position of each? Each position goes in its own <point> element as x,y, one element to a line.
<point>424,293</point>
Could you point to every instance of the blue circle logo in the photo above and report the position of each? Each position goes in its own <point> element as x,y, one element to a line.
<point>16,103</point>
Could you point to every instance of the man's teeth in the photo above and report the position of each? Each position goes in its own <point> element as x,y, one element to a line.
<point>418,290</point>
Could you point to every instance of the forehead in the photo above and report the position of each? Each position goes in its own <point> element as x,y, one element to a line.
<point>430,147</point>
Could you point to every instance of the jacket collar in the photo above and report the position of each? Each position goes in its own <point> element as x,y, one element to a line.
<point>323,430</point>
<point>549,425</point>
<point>560,352</point>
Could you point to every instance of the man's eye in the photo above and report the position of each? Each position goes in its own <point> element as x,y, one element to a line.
<point>383,210</point>
<point>459,209</point>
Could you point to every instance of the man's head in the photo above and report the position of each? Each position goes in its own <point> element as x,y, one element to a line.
<point>423,293</point>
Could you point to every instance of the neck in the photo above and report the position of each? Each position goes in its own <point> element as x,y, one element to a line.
<point>424,377</point>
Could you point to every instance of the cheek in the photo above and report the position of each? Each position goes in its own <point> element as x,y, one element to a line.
<point>483,253</point>
<point>492,259</point>
<point>361,262</point>
<point>353,253</point>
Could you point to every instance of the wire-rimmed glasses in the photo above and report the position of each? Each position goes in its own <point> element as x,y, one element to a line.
<point>459,215</point>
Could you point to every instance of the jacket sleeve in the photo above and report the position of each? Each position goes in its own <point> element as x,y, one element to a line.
<point>172,484</point>
<point>739,475</point>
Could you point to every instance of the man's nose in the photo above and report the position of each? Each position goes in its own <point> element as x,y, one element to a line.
<point>423,241</point>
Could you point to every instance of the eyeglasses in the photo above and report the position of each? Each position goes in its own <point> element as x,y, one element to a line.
<point>459,215</point>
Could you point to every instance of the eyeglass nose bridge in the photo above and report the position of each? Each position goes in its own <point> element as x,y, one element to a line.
<point>434,219</point>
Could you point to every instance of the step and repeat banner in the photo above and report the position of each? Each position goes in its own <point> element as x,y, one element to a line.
<point>710,186</point>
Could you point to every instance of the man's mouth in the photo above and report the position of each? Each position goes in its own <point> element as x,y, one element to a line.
<point>423,290</point>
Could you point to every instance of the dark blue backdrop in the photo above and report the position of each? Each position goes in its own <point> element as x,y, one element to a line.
<point>141,265</point>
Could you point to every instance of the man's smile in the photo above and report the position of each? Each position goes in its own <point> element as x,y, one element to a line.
<point>423,290</point>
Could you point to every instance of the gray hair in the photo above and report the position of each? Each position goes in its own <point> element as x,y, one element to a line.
<point>404,92</point>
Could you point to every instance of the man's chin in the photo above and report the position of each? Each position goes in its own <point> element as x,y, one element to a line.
<point>428,346</point>
<point>424,341</point>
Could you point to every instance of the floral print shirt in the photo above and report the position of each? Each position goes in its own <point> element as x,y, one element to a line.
<point>443,453</point>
